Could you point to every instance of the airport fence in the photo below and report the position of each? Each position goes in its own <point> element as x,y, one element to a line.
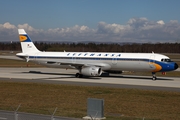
<point>15,115</point>
<point>26,114</point>
<point>10,115</point>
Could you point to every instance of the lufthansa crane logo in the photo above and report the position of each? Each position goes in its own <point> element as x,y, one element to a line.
<point>22,38</point>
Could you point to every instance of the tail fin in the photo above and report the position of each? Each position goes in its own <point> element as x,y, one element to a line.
<point>27,45</point>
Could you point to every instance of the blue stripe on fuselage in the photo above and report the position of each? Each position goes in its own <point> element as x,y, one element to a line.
<point>88,58</point>
<point>166,66</point>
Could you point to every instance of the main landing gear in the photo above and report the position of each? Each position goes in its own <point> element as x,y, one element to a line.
<point>78,75</point>
<point>154,76</point>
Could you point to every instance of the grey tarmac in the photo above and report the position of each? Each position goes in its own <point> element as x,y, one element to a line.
<point>63,76</point>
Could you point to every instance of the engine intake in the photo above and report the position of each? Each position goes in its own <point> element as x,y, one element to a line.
<point>91,71</point>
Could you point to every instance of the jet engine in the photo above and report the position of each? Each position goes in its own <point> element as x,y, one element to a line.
<point>91,71</point>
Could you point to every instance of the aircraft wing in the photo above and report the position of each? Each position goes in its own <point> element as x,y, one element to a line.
<point>78,65</point>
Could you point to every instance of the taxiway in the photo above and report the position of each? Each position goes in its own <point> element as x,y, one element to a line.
<point>63,76</point>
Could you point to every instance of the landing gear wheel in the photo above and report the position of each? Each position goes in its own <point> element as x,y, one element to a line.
<point>78,75</point>
<point>154,76</point>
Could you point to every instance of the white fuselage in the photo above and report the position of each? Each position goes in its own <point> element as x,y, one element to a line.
<point>107,61</point>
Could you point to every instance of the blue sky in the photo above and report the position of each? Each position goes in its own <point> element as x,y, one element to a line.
<point>77,18</point>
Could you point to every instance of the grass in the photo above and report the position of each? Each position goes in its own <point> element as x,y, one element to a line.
<point>173,56</point>
<point>158,74</point>
<point>125,104</point>
<point>17,63</point>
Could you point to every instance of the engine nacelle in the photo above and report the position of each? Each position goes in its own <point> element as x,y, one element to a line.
<point>91,71</point>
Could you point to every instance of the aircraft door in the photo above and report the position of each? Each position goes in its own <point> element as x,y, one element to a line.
<point>73,60</point>
<point>114,61</point>
<point>36,56</point>
<point>151,61</point>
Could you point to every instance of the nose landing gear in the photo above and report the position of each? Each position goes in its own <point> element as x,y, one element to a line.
<point>154,76</point>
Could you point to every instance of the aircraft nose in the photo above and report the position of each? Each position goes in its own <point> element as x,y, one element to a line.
<point>176,66</point>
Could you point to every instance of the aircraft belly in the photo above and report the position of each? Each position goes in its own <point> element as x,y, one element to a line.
<point>131,66</point>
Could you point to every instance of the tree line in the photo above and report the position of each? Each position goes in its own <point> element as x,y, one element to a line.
<point>98,47</point>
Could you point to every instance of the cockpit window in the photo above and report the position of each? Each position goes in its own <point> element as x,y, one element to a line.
<point>166,60</point>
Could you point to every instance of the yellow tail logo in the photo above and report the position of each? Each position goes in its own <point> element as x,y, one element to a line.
<point>22,38</point>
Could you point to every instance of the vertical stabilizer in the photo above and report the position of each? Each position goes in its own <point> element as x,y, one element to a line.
<point>27,45</point>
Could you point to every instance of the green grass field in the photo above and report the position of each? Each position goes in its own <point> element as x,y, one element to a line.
<point>17,63</point>
<point>125,104</point>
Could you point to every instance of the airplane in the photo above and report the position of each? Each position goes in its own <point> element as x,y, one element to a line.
<point>95,63</point>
